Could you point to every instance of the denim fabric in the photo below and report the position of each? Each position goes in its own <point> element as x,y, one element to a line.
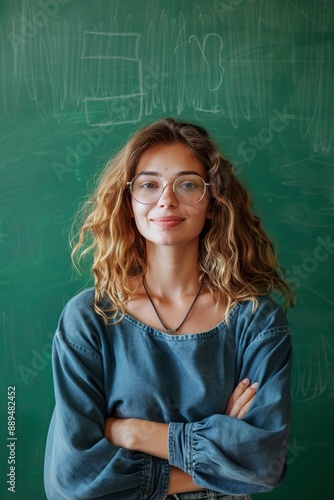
<point>132,370</point>
<point>207,495</point>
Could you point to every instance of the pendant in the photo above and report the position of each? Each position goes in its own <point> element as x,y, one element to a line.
<point>171,330</point>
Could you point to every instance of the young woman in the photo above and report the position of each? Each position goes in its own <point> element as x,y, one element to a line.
<point>172,375</point>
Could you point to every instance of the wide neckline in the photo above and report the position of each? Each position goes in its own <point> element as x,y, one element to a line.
<point>182,336</point>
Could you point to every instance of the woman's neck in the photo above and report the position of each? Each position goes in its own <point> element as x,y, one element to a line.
<point>172,272</point>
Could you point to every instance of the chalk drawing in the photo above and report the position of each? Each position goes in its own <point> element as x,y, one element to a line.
<point>309,183</point>
<point>313,370</point>
<point>315,77</point>
<point>211,52</point>
<point>158,65</point>
<point>214,67</point>
<point>208,73</point>
<point>97,45</point>
<point>120,108</point>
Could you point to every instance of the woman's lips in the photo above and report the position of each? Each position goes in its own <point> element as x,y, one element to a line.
<point>168,221</point>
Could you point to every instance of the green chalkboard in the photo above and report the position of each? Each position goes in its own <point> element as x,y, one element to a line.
<point>78,77</point>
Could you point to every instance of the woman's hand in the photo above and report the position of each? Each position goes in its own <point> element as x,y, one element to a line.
<point>241,399</point>
<point>151,437</point>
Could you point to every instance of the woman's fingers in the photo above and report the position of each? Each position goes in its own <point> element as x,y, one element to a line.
<point>242,412</point>
<point>238,391</point>
<point>241,399</point>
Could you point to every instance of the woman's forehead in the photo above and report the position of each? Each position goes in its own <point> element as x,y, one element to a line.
<point>173,159</point>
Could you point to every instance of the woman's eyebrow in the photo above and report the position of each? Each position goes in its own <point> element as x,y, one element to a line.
<point>158,174</point>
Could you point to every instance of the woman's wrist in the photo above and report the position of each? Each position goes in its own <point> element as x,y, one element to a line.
<point>119,432</point>
<point>149,437</point>
<point>138,435</point>
<point>180,482</point>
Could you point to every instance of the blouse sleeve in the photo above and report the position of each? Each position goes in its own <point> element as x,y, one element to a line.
<point>79,461</point>
<point>244,456</point>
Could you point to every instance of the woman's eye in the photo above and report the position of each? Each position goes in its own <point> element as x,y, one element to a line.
<point>188,185</point>
<point>149,185</point>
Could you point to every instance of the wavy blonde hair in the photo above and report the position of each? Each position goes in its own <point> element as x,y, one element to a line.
<point>236,258</point>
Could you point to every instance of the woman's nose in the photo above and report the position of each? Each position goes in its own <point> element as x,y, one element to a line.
<point>168,197</point>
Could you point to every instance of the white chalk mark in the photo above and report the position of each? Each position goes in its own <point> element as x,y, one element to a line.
<point>313,374</point>
<point>301,12</point>
<point>318,294</point>
<point>213,70</point>
<point>214,110</point>
<point>303,160</point>
<point>211,66</point>
<point>66,62</point>
<point>116,109</point>
<point>120,109</point>
<point>100,45</point>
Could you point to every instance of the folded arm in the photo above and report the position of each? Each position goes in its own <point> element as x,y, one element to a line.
<point>152,437</point>
<point>79,461</point>
<point>242,451</point>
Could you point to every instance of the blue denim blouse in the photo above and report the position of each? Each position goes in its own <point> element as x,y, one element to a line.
<point>133,370</point>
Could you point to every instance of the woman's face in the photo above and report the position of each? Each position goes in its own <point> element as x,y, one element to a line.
<point>169,221</point>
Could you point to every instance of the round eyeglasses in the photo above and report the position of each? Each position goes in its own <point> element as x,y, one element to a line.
<point>148,188</point>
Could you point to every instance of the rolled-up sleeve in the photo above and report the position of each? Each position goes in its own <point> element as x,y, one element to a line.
<point>79,461</point>
<point>246,455</point>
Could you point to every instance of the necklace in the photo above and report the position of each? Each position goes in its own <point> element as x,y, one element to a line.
<point>171,330</point>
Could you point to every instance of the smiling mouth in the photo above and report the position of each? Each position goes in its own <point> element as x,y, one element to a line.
<point>168,221</point>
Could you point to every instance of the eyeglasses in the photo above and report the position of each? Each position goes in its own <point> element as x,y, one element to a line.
<point>188,189</point>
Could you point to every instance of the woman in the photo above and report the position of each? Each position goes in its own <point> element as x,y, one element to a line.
<point>171,375</point>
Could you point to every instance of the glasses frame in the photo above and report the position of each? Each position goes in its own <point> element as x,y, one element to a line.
<point>205,184</point>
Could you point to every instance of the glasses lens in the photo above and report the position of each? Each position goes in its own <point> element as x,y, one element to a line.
<point>189,189</point>
<point>146,189</point>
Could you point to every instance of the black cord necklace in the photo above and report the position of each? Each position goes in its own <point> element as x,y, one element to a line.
<point>171,330</point>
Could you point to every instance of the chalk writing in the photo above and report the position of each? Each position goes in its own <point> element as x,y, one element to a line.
<point>122,50</point>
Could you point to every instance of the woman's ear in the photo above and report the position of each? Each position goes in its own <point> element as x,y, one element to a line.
<point>209,212</point>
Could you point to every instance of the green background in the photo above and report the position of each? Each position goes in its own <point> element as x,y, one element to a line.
<point>77,79</point>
